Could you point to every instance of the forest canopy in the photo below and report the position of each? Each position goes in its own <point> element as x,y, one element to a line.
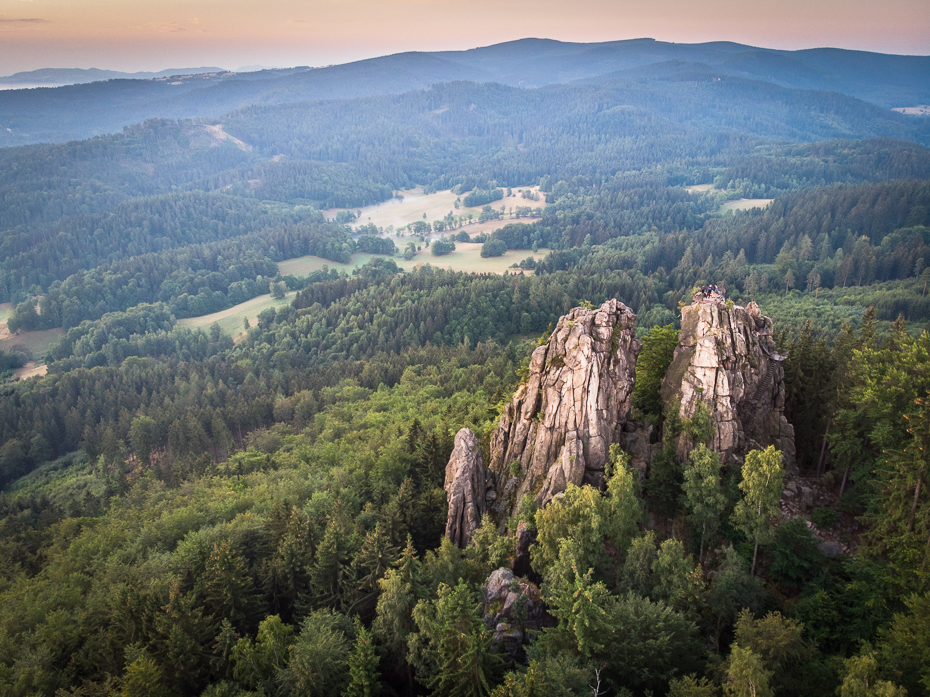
<point>260,510</point>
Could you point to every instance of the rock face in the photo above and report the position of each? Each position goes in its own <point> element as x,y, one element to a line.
<point>465,485</point>
<point>512,607</point>
<point>561,423</point>
<point>726,359</point>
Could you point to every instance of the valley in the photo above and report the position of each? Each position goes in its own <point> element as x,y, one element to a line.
<point>265,431</point>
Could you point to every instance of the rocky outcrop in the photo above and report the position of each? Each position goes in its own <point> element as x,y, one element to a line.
<point>513,607</point>
<point>559,427</point>
<point>466,484</point>
<point>726,360</point>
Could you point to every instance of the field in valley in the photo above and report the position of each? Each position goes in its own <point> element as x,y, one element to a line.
<point>398,213</point>
<point>35,343</point>
<point>232,320</point>
<point>467,257</point>
<point>745,204</point>
<point>301,266</point>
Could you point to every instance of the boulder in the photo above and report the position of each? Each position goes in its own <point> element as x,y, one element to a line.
<point>465,485</point>
<point>830,549</point>
<point>726,359</point>
<point>559,427</point>
<point>514,607</point>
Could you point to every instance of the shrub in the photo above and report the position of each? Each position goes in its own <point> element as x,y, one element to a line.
<point>825,517</point>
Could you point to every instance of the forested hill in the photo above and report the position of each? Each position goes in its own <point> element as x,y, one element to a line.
<point>81,111</point>
<point>251,503</point>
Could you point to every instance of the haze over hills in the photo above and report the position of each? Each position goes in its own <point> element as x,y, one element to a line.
<point>59,77</point>
<point>85,110</point>
<point>399,354</point>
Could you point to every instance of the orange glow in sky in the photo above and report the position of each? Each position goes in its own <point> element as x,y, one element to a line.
<point>135,35</point>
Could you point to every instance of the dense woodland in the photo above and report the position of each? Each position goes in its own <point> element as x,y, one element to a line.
<point>183,514</point>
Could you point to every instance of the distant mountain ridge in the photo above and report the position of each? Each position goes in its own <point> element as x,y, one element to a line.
<point>60,77</point>
<point>83,110</point>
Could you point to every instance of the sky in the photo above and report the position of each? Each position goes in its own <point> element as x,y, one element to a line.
<point>135,35</point>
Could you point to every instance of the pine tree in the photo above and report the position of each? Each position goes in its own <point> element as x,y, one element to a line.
<point>452,648</point>
<point>623,509</point>
<point>400,591</point>
<point>227,587</point>
<point>370,564</point>
<point>329,573</point>
<point>363,666</point>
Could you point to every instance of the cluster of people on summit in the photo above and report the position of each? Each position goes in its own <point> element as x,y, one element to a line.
<point>710,292</point>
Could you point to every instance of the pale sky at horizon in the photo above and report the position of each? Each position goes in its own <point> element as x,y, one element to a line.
<point>132,35</point>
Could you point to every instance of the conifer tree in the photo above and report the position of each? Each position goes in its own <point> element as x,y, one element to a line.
<point>451,649</point>
<point>363,666</point>
<point>400,592</point>
<point>329,573</point>
<point>227,587</point>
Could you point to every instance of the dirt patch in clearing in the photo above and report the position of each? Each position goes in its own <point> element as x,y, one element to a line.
<point>219,135</point>
<point>31,370</point>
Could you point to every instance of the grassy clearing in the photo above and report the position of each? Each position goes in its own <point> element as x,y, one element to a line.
<point>918,110</point>
<point>398,213</point>
<point>467,257</point>
<point>35,343</point>
<point>301,266</point>
<point>745,204</point>
<point>480,228</point>
<point>699,188</point>
<point>5,310</point>
<point>232,320</point>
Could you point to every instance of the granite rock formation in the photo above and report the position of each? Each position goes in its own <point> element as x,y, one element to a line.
<point>559,427</point>
<point>726,359</point>
<point>513,607</point>
<point>465,485</point>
